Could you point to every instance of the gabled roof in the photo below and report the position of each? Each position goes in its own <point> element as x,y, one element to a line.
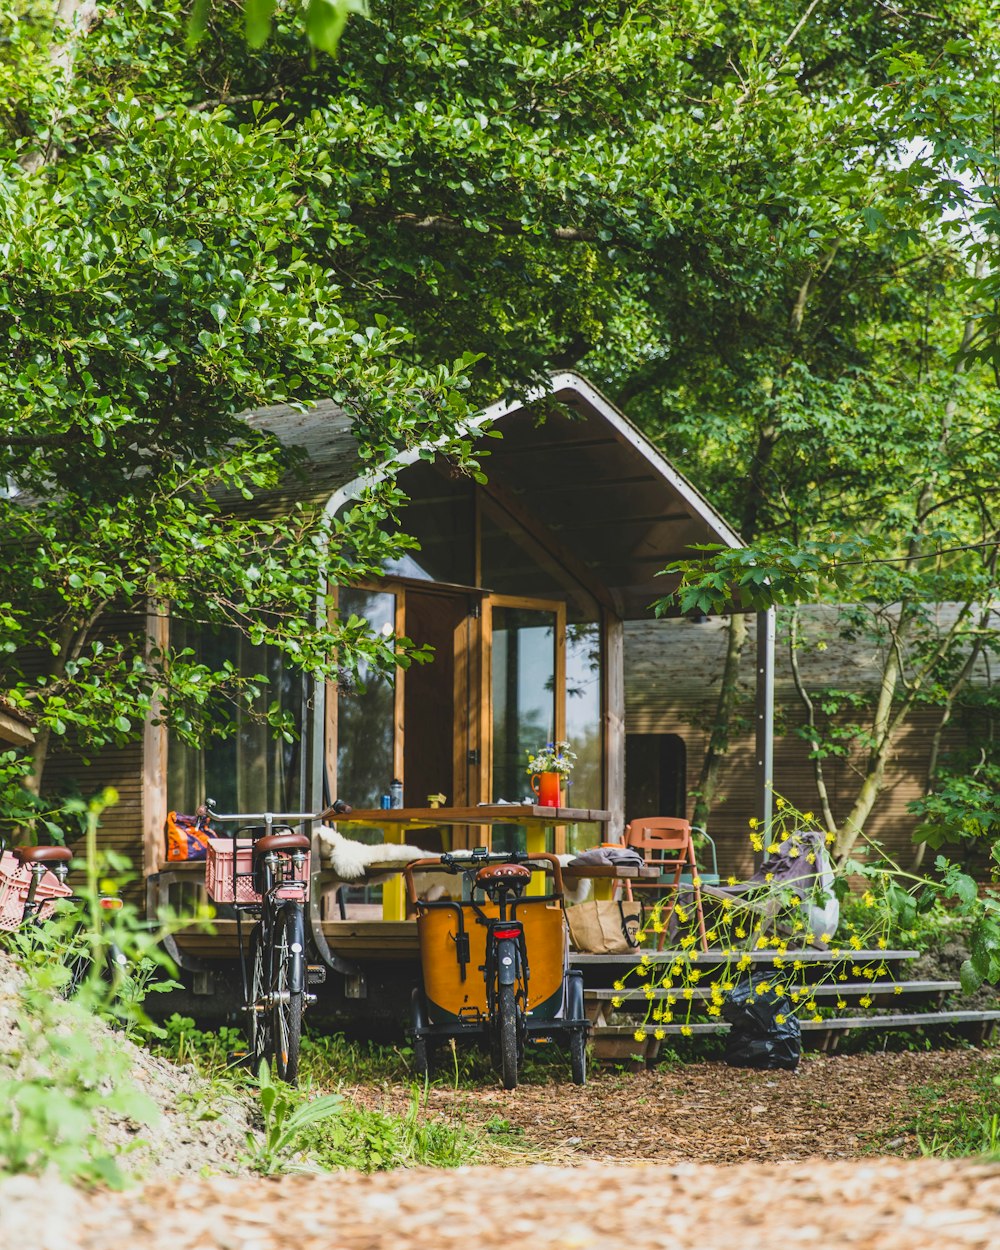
<point>613,504</point>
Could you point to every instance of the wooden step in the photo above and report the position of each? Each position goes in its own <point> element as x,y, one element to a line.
<point>619,1041</point>
<point>710,958</point>
<point>839,989</point>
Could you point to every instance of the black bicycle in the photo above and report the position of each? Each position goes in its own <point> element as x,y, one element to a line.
<point>262,871</point>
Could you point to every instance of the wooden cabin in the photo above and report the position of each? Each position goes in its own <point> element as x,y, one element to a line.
<point>522,586</point>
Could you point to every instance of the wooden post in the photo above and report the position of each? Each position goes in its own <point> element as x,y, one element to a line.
<point>765,720</point>
<point>154,752</point>
<point>614,724</point>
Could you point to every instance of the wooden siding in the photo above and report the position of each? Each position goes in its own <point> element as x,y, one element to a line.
<point>672,674</point>
<point>121,825</point>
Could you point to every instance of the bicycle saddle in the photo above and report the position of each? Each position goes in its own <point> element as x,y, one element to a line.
<point>281,842</point>
<point>503,874</point>
<point>43,854</point>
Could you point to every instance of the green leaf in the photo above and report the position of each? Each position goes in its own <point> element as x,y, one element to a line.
<point>257,16</point>
<point>968,976</point>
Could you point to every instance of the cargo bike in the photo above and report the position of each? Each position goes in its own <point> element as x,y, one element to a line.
<point>495,963</point>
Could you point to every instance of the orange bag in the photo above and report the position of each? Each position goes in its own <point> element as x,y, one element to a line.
<point>187,837</point>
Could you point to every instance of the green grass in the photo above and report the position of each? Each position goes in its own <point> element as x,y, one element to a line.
<point>958,1118</point>
<point>352,1136</point>
<point>376,1141</point>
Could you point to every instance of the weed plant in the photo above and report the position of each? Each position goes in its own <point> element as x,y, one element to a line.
<point>956,1119</point>
<point>773,918</point>
<point>375,1141</point>
<point>68,1075</point>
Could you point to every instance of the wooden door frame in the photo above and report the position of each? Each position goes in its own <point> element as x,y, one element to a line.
<point>490,601</point>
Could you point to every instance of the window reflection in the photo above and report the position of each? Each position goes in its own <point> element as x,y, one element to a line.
<point>250,769</point>
<point>365,715</point>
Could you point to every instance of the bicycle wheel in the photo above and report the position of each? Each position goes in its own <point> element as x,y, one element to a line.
<point>286,1022</point>
<point>421,1050</point>
<point>259,1026</point>
<point>507,1010</point>
<point>578,1056</point>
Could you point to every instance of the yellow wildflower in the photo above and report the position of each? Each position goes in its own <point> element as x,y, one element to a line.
<point>639,1035</point>
<point>830,839</point>
<point>841,1004</point>
<point>753,822</point>
<point>659,1034</point>
<point>616,1002</point>
<point>685,1030</point>
<point>715,1011</point>
<point>866,1001</point>
<point>780,1018</point>
<point>769,876</point>
<point>619,985</point>
<point>694,976</point>
<point>808,816</point>
<point>757,841</point>
<point>731,881</point>
<point>773,848</point>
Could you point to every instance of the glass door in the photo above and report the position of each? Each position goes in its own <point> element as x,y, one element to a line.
<point>525,646</point>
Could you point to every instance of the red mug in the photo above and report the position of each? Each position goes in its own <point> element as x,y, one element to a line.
<point>546,788</point>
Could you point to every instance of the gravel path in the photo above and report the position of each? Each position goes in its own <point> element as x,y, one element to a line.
<point>878,1205</point>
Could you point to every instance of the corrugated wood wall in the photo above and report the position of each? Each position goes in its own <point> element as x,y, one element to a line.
<point>672,678</point>
<point>86,774</point>
<point>121,825</point>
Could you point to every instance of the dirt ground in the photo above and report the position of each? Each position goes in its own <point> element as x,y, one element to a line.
<point>695,1156</point>
<point>833,1107</point>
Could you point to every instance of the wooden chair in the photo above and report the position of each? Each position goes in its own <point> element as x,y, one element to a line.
<point>665,843</point>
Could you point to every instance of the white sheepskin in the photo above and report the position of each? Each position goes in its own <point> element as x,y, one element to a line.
<point>351,860</point>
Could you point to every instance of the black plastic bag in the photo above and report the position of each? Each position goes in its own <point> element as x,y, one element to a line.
<point>758,1038</point>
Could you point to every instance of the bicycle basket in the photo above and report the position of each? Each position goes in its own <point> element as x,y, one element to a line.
<point>15,882</point>
<point>219,871</point>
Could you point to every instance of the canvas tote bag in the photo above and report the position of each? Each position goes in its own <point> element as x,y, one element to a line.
<point>604,926</point>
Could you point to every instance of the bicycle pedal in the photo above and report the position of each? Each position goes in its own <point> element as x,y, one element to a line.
<point>316,974</point>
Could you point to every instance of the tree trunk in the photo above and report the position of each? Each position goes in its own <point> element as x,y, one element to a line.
<point>718,742</point>
<point>73,19</point>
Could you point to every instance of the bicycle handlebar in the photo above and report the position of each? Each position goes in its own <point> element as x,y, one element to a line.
<point>454,863</point>
<point>206,812</point>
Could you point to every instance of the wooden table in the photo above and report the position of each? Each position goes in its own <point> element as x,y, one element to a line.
<point>395,821</point>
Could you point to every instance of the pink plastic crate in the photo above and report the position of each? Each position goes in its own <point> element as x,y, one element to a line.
<point>15,881</point>
<point>219,872</point>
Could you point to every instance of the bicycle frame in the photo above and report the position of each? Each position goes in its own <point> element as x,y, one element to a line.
<point>274,991</point>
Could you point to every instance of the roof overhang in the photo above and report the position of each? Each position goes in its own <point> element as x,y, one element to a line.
<point>602,489</point>
<point>616,509</point>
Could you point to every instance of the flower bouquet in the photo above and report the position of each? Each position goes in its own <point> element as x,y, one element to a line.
<point>547,768</point>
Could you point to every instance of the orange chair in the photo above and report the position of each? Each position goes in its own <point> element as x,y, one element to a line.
<point>665,843</point>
